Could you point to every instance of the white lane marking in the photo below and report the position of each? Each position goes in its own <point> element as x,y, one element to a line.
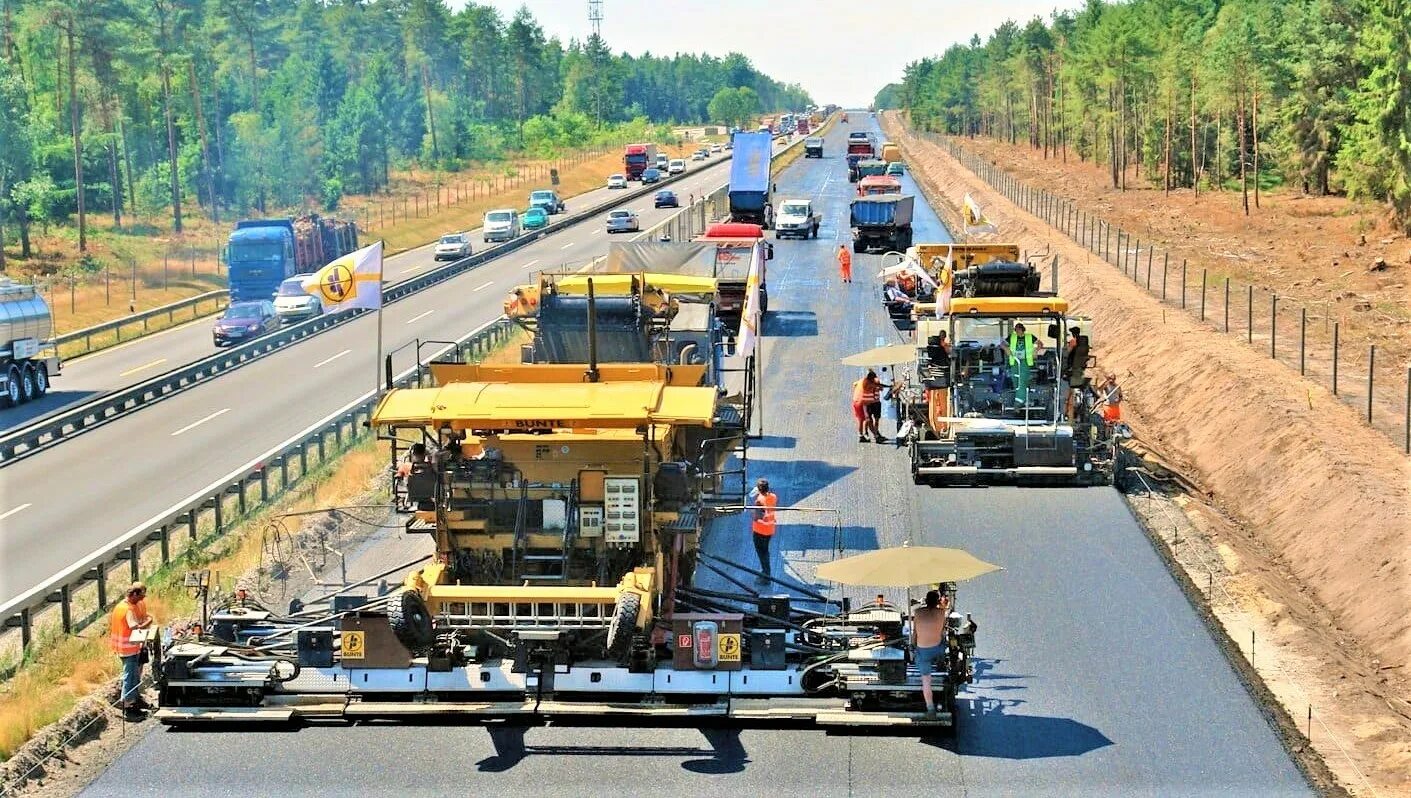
<point>328,360</point>
<point>156,362</point>
<point>195,424</point>
<point>416,268</point>
<point>483,287</point>
<point>419,317</point>
<point>12,512</point>
<point>531,263</point>
<point>566,246</point>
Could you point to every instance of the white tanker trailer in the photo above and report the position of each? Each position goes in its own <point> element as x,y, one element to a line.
<point>28,357</point>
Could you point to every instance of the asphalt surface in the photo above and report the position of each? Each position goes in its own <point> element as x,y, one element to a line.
<point>1096,677</point>
<point>141,359</point>
<point>60,505</point>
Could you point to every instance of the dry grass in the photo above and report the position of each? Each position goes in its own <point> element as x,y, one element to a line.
<point>69,668</point>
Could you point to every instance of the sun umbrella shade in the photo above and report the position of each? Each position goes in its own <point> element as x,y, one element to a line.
<point>883,356</point>
<point>906,566</point>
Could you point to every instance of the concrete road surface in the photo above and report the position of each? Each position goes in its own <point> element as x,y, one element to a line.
<point>1096,677</point>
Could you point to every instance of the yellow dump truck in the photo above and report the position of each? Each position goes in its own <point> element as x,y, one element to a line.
<point>891,153</point>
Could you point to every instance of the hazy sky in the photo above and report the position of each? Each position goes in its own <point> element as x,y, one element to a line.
<point>792,40</point>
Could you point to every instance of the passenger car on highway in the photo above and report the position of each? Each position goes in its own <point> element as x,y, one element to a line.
<point>548,199</point>
<point>676,167</point>
<point>243,321</point>
<point>651,176</point>
<point>534,218</point>
<point>698,156</point>
<point>715,148</point>
<point>501,224</point>
<point>624,221</point>
<point>662,161</point>
<point>452,246</point>
<point>292,302</point>
<point>666,198</point>
<point>895,169</point>
<point>617,181</point>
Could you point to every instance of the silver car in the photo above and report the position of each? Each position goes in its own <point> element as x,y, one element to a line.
<point>292,302</point>
<point>624,221</point>
<point>453,246</point>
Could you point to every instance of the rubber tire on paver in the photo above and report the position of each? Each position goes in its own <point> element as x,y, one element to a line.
<point>411,621</point>
<point>624,624</point>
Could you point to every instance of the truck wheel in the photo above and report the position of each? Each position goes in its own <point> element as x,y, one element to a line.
<point>624,624</point>
<point>12,395</point>
<point>857,246</point>
<point>41,381</point>
<point>411,621</point>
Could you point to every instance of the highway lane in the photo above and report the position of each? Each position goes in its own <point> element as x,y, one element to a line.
<point>75,498</point>
<point>143,358</point>
<point>1096,676</point>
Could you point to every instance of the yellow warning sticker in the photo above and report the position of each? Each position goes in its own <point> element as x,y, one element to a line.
<point>354,645</point>
<point>728,650</point>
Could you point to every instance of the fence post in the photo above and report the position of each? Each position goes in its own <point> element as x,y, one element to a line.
<point>1335,357</point>
<point>1150,254</point>
<point>1202,300</point>
<point>1183,283</point>
<point>1273,324</point>
<point>1165,265</point>
<point>1227,304</point>
<point>1371,370</point>
<point>1249,315</point>
<point>1408,410</point>
<point>1302,341</point>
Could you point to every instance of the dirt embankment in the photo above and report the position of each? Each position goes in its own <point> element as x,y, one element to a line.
<point>1324,499</point>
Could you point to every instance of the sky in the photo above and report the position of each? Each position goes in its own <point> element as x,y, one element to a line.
<point>792,40</point>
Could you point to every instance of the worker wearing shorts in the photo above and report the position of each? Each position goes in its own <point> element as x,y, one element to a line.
<point>926,658</point>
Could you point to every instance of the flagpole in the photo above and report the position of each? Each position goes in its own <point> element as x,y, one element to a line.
<point>377,364</point>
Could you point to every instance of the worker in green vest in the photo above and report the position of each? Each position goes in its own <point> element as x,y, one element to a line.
<point>1021,350</point>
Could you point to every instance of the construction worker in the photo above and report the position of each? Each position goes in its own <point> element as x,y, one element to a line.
<point>762,502</point>
<point>928,627</point>
<point>1021,349</point>
<point>130,614</point>
<point>844,263</point>
<point>867,406</point>
<point>1110,397</point>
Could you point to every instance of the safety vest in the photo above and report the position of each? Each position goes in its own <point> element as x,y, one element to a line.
<point>120,632</point>
<point>864,392</point>
<point>1028,348</point>
<point>763,524</point>
<point>844,258</point>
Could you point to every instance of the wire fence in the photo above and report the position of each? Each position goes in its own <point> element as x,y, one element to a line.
<point>1312,338</point>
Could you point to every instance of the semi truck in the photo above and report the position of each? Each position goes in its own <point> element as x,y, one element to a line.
<point>29,358</point>
<point>638,158</point>
<point>750,182</point>
<point>813,147</point>
<point>802,127</point>
<point>881,221</point>
<point>262,253</point>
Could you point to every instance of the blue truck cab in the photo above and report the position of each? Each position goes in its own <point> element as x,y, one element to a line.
<point>259,256</point>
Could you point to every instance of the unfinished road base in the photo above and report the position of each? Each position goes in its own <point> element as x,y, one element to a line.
<point>1326,496</point>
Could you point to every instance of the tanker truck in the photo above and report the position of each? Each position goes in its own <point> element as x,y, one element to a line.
<point>28,357</point>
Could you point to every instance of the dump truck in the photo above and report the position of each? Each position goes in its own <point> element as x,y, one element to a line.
<point>262,253</point>
<point>870,167</point>
<point>29,359</point>
<point>813,147</point>
<point>750,181</point>
<point>1004,398</point>
<point>878,184</point>
<point>881,221</point>
<point>638,158</point>
<point>891,153</point>
<point>737,248</point>
<point>860,148</point>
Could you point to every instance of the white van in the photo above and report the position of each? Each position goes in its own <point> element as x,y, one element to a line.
<point>676,166</point>
<point>501,224</point>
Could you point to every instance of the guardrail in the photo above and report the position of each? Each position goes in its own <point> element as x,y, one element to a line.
<point>222,502</point>
<point>219,298</point>
<point>63,425</point>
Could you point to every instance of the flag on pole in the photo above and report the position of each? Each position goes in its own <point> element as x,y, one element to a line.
<point>352,281</point>
<point>945,279</point>
<point>975,221</point>
<point>749,318</point>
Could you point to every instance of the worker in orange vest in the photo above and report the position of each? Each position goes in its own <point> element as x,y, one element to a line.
<point>845,263</point>
<point>130,614</point>
<point>762,501</point>
<point>867,406</point>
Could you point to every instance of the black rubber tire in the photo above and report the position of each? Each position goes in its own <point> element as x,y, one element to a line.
<point>28,393</point>
<point>624,624</point>
<point>411,621</point>
<point>12,396</point>
<point>41,380</point>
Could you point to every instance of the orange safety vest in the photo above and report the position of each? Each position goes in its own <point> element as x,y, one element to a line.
<point>844,258</point>
<point>120,632</point>
<point>865,393</point>
<point>764,524</point>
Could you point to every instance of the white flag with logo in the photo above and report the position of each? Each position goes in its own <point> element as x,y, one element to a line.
<point>352,281</point>
<point>975,221</point>
<point>749,318</point>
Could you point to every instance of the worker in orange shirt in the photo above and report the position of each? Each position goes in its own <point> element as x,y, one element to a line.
<point>130,614</point>
<point>762,503</point>
<point>845,263</point>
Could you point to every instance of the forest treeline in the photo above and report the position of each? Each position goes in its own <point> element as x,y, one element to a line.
<point>1193,93</point>
<point>270,103</point>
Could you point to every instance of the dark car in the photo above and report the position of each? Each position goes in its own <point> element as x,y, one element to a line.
<point>652,175</point>
<point>245,320</point>
<point>667,199</point>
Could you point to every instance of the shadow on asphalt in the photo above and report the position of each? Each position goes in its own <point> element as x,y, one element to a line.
<point>794,480</point>
<point>985,729</point>
<point>825,537</point>
<point>791,324</point>
<point>725,754</point>
<point>14,417</point>
<point>774,442</point>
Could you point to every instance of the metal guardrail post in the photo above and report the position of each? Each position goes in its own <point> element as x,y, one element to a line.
<point>134,561</point>
<point>101,577</point>
<point>264,485</point>
<point>218,510</point>
<point>66,608</point>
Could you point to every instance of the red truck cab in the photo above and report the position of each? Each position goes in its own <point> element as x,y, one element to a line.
<point>736,243</point>
<point>638,158</point>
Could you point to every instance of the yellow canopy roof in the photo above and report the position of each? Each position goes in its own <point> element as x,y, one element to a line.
<point>1000,306</point>
<point>621,284</point>
<point>533,406</point>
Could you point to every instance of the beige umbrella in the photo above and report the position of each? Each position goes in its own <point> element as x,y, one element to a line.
<point>906,566</point>
<point>883,356</point>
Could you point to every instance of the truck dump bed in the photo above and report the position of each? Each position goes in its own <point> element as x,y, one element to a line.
<point>749,165</point>
<point>882,210</point>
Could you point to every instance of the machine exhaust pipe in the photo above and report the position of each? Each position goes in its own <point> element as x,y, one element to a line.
<point>592,375</point>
